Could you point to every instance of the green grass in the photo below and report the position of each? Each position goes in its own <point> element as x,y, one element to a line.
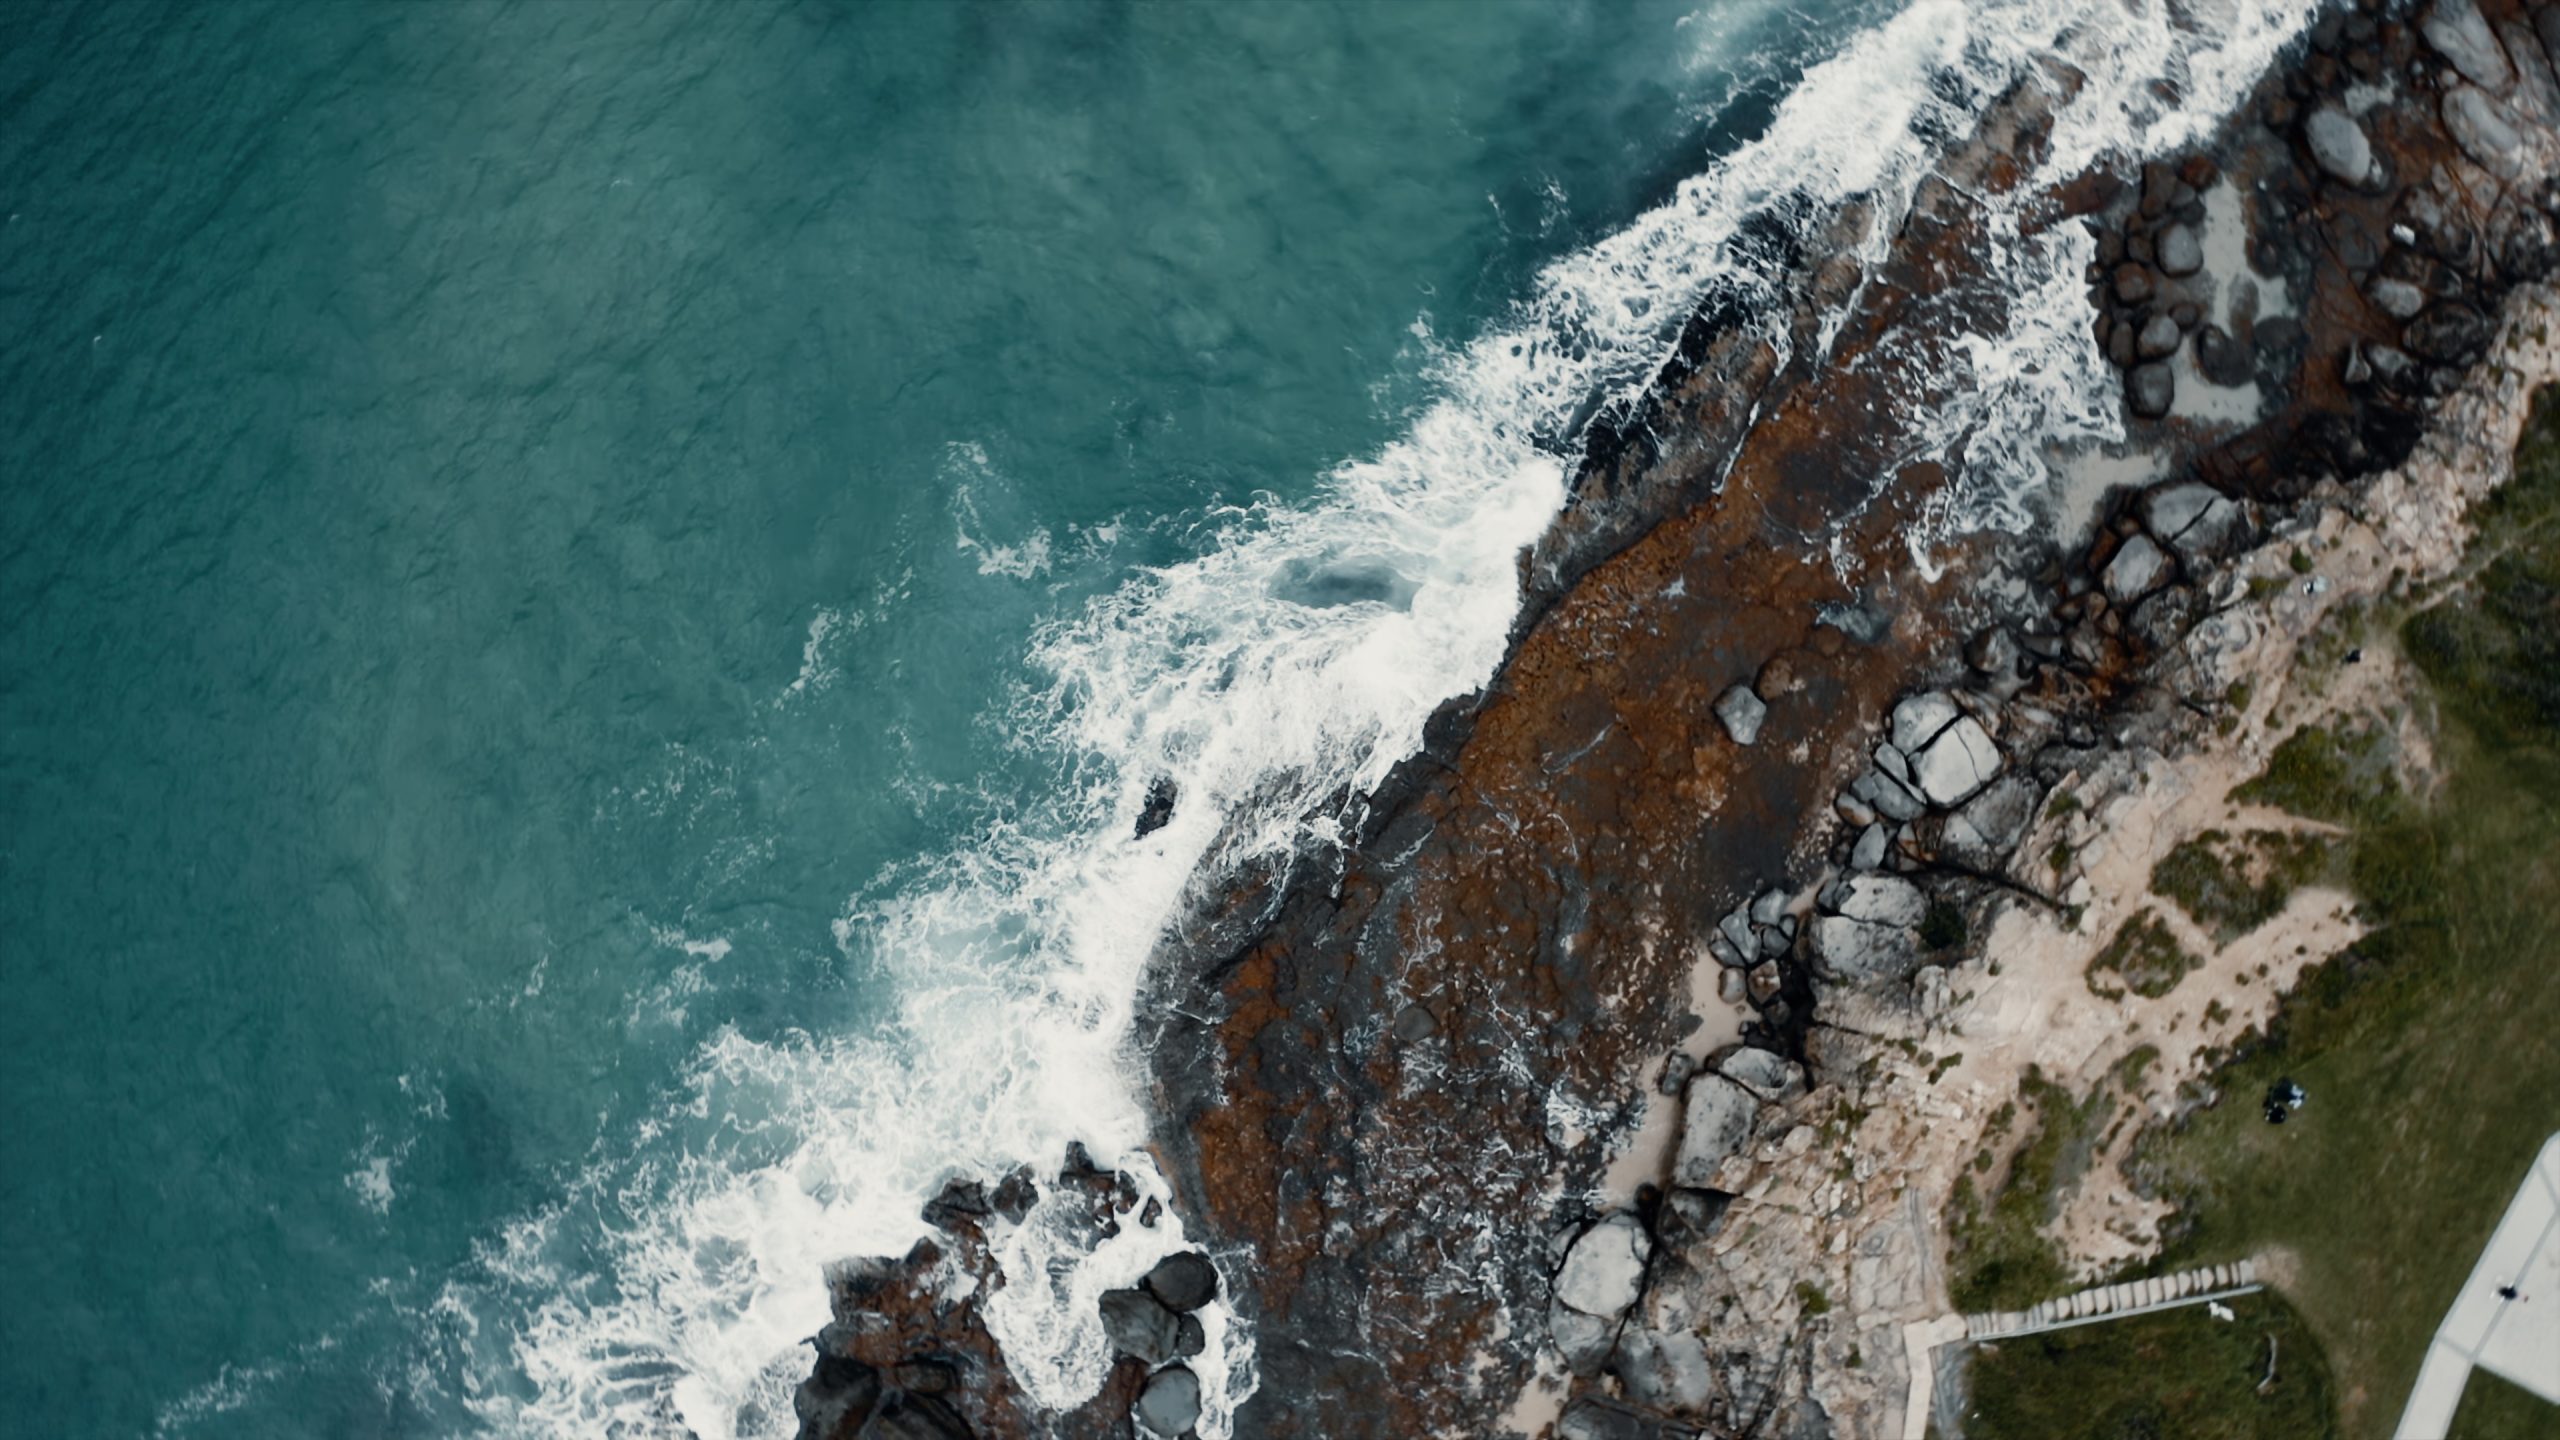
<point>1997,1250</point>
<point>2143,958</point>
<point>2493,1409</point>
<point>2232,885</point>
<point>2325,774</point>
<point>2172,1375</point>
<point>2427,1050</point>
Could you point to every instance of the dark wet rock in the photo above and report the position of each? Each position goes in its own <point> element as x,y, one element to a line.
<point>2448,333</point>
<point>2120,344</point>
<point>2460,34</point>
<point>2181,253</point>
<point>1158,810</point>
<point>1742,712</point>
<point>2133,283</point>
<point>1170,1405</point>
<point>1589,1419</point>
<point>2546,23</point>
<point>1415,1023</point>
<point>2139,566</point>
<point>1183,1281</point>
<point>2338,144</point>
<point>2486,130</point>
<point>2186,314</point>
<point>1883,795</point>
<point>2166,617</point>
<point>1677,1067</point>
<point>1763,983</point>
<point>1137,1324</point>
<point>2223,360</point>
<point>2159,337</point>
<point>2150,389</point>
<point>1993,652</point>
<point>1604,1271</point>
<point>1190,1337</point>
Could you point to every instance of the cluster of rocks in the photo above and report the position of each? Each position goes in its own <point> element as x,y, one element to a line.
<point>908,1355</point>
<point>1157,1324</point>
<point>2154,296</point>
<point>1631,1287</point>
<point>2426,253</point>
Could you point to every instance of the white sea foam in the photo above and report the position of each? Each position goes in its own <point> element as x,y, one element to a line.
<point>1295,660</point>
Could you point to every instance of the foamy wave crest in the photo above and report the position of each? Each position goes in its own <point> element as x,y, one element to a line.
<point>1294,660</point>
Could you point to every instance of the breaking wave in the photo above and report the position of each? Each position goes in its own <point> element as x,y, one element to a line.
<point>1296,659</point>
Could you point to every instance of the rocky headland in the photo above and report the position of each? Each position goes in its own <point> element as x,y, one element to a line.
<point>1615,1079</point>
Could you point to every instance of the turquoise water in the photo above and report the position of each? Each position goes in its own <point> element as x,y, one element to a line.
<point>520,520</point>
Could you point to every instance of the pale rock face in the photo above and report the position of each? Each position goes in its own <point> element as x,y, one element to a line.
<point>1716,1127</point>
<point>1882,900</point>
<point>1919,719</point>
<point>1604,1271</point>
<point>1958,764</point>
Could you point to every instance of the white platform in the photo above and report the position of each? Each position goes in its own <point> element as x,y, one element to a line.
<point>2518,1340</point>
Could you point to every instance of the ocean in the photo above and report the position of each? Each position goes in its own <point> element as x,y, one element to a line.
<point>589,594</point>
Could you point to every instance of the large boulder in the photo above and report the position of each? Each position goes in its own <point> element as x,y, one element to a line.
<point>1921,718</point>
<point>1957,764</point>
<point>1990,825</point>
<point>2338,144</point>
<point>1770,1076</point>
<point>1604,1271</point>
<point>1184,1281</point>
<point>2486,130</point>
<point>2137,569</point>
<point>2181,253</point>
<point>2196,519</point>
<point>1137,1325</point>
<point>2151,389</point>
<point>1742,710</point>
<point>1583,1340</point>
<point>2462,35</point>
<point>1666,1370</point>
<point>1715,1127</point>
<point>1170,1405</point>
<point>1871,931</point>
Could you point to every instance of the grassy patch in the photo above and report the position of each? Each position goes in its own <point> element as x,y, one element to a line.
<point>2143,958</point>
<point>2494,1409</point>
<point>2232,885</point>
<point>2324,774</point>
<point>2173,1375</point>
<point>2427,1049</point>
<point>1998,1252</point>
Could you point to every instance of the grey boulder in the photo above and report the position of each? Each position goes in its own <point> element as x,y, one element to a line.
<point>2338,144</point>
<point>1137,1325</point>
<point>1742,710</point>
<point>1957,764</point>
<point>1715,1128</point>
<point>1772,1077</point>
<point>1170,1405</point>
<point>1604,1271</point>
<point>2137,569</point>
<point>1184,1281</point>
<point>2462,35</point>
<point>2181,253</point>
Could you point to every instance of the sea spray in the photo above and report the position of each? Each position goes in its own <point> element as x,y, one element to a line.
<point>1294,661</point>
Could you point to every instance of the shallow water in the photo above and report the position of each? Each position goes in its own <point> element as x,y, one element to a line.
<point>527,543</point>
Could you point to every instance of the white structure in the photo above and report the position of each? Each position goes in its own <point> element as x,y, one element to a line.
<point>2517,1339</point>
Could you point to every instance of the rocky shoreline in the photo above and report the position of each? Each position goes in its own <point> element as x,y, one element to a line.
<point>1738,831</point>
